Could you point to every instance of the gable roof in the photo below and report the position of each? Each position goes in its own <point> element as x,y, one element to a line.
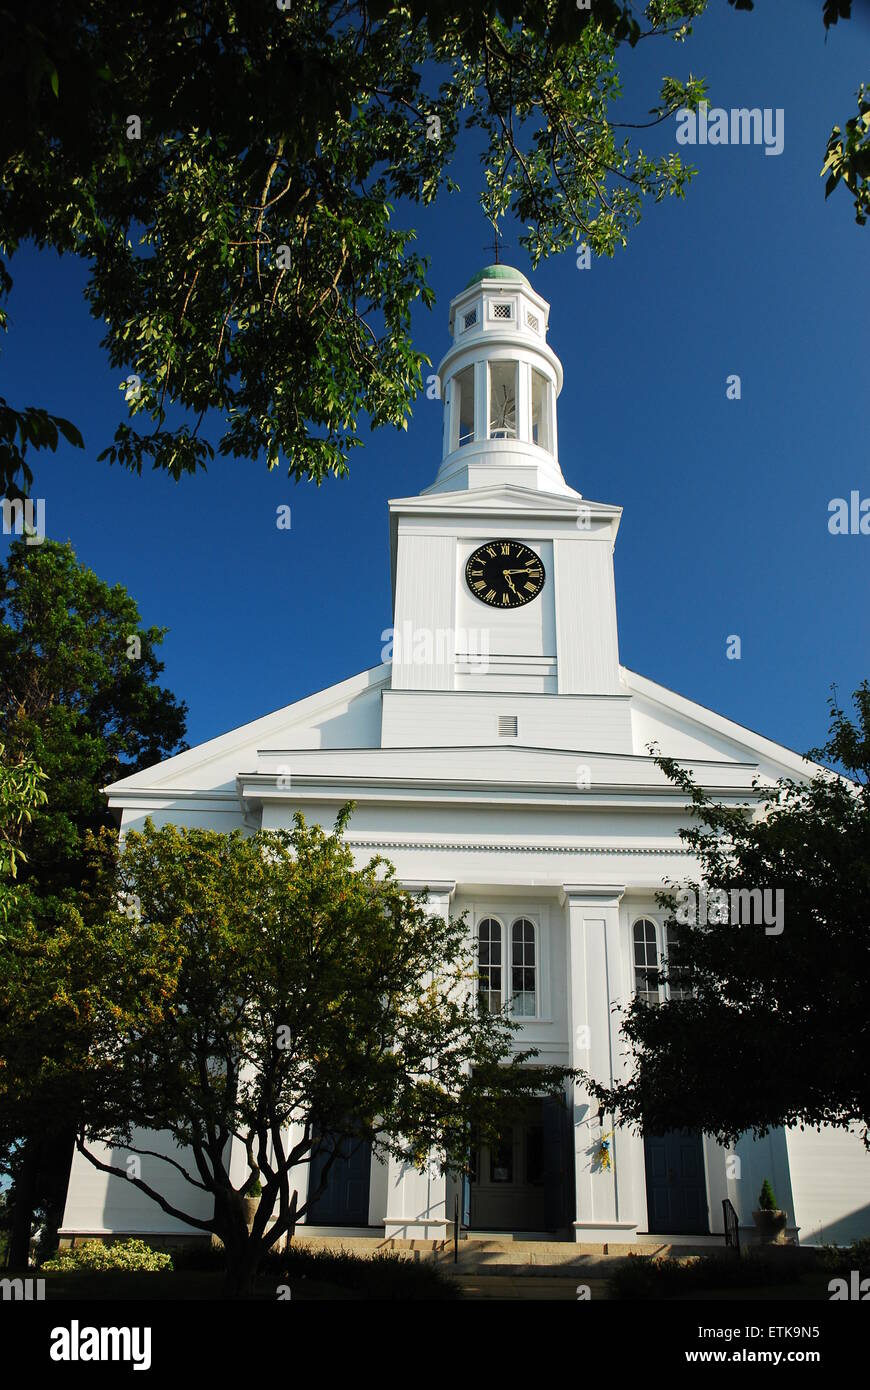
<point>665,702</point>
<point>685,729</point>
<point>237,743</point>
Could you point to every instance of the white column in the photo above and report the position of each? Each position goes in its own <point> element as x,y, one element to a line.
<point>448,406</point>
<point>417,1202</point>
<point>554,435</point>
<point>524,401</point>
<point>604,1196</point>
<point>481,401</point>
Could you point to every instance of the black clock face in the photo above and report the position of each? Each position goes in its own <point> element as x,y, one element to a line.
<point>505,574</point>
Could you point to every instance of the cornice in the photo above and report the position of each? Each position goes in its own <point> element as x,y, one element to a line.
<point>486,846</point>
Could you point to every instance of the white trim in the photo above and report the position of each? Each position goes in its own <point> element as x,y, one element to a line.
<point>310,706</point>
<point>709,720</point>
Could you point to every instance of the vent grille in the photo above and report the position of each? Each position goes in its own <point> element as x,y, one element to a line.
<point>507,726</point>
<point>502,311</point>
<point>533,322</point>
<point>469,319</point>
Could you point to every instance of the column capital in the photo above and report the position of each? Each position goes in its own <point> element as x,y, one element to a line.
<point>439,890</point>
<point>437,887</point>
<point>593,894</point>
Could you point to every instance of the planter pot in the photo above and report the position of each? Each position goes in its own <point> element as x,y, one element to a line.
<point>250,1205</point>
<point>770,1226</point>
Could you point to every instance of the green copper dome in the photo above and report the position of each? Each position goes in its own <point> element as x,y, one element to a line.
<point>498,272</point>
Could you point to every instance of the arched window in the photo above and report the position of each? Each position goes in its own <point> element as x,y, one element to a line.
<point>646,961</point>
<point>678,975</point>
<point>489,964</point>
<point>524,968</point>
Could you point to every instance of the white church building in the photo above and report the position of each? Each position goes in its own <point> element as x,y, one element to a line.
<point>501,760</point>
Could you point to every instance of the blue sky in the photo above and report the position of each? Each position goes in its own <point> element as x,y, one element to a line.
<point>725,502</point>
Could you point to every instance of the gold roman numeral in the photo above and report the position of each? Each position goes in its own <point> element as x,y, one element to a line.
<point>490,594</point>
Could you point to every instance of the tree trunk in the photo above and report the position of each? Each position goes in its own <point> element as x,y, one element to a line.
<point>53,1182</point>
<point>242,1255</point>
<point>240,1271</point>
<point>23,1197</point>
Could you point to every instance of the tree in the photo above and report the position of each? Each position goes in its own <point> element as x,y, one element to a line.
<point>848,158</point>
<point>779,1003</point>
<point>32,427</point>
<point>230,174</point>
<point>307,993</point>
<point>79,693</point>
<point>66,970</point>
<point>21,794</point>
<point>79,700</point>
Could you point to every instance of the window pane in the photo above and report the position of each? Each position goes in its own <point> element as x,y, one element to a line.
<point>646,961</point>
<point>523,968</point>
<point>542,396</point>
<point>678,976</point>
<point>463,405</point>
<point>489,984</point>
<point>502,400</point>
<point>502,1158</point>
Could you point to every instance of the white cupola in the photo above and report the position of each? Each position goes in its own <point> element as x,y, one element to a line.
<point>499,382</point>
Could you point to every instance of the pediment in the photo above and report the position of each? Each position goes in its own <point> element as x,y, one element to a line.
<point>684,729</point>
<point>337,716</point>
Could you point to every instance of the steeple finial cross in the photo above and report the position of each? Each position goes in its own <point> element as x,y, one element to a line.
<point>496,244</point>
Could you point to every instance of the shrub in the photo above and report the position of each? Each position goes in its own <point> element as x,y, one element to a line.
<point>766,1199</point>
<point>93,1255</point>
<point>840,1259</point>
<point>386,1274</point>
<point>643,1276</point>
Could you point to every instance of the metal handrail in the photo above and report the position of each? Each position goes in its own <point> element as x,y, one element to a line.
<point>732,1225</point>
<point>456,1228</point>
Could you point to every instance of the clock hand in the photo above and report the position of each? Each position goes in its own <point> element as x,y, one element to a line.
<point>507,575</point>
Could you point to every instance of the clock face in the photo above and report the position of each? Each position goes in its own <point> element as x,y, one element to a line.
<point>505,574</point>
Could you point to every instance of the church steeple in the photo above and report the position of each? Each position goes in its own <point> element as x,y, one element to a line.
<point>499,552</point>
<point>499,383</point>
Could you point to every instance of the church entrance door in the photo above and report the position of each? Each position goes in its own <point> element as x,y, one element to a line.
<point>676,1190</point>
<point>345,1200</point>
<point>516,1183</point>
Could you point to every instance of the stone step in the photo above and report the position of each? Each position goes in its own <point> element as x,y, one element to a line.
<point>496,1256</point>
